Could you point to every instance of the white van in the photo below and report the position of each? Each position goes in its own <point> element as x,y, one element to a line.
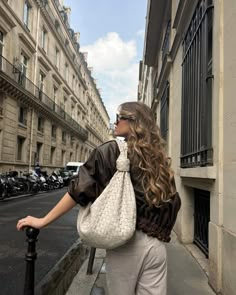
<point>74,167</point>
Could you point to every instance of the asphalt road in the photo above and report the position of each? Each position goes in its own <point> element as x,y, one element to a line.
<point>53,241</point>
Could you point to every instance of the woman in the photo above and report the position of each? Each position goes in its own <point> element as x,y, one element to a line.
<point>140,266</point>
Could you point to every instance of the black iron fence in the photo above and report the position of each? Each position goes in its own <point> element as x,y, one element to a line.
<point>196,136</point>
<point>164,115</point>
<point>201,219</point>
<point>18,77</point>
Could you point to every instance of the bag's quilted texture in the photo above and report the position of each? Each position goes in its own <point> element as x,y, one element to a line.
<point>111,220</point>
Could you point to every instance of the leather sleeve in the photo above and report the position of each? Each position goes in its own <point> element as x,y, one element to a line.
<point>95,174</point>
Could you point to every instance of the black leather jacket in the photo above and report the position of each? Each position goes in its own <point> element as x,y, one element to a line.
<point>96,173</point>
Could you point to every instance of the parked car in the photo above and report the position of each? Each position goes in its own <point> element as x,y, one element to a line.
<point>74,167</point>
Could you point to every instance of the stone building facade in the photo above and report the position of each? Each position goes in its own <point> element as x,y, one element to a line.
<point>51,111</point>
<point>188,78</point>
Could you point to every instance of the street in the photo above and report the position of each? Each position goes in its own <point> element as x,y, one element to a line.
<point>52,244</point>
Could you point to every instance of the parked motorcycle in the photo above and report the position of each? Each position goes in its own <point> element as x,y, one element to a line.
<point>3,188</point>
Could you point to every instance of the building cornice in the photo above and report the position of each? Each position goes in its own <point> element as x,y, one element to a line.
<point>6,22</point>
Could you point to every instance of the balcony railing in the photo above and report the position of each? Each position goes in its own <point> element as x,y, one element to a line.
<point>23,121</point>
<point>41,129</point>
<point>18,77</point>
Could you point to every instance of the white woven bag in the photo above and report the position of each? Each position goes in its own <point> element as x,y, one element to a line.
<point>110,221</point>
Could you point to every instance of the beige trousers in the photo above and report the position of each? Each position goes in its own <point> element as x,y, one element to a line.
<point>138,267</point>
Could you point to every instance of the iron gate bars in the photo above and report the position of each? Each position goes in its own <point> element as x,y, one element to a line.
<point>196,129</point>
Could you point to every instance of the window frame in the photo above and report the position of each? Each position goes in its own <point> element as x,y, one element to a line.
<point>26,14</point>
<point>164,112</point>
<point>44,39</point>
<point>19,155</point>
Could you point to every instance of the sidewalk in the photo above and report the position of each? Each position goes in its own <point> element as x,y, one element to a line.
<point>185,276</point>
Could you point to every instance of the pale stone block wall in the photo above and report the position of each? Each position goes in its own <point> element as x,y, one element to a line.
<point>229,159</point>
<point>228,263</point>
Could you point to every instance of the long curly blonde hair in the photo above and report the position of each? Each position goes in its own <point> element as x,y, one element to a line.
<point>146,152</point>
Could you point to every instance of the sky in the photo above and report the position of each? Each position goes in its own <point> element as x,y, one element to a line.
<point>112,33</point>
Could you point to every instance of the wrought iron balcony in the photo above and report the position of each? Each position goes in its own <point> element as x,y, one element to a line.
<point>13,76</point>
<point>41,129</point>
<point>23,121</point>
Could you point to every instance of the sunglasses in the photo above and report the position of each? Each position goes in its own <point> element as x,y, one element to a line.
<point>119,118</point>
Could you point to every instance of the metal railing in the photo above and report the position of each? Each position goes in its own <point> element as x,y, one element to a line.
<point>164,115</point>
<point>23,121</point>
<point>196,135</point>
<point>201,219</point>
<point>18,77</point>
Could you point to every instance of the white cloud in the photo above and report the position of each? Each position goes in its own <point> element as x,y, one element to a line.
<point>140,33</point>
<point>116,69</point>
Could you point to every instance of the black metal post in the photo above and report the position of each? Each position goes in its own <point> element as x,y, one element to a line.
<point>30,258</point>
<point>91,260</point>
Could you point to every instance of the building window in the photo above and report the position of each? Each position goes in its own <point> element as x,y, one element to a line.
<point>54,132</point>
<point>63,157</point>
<point>27,8</point>
<point>20,147</point>
<point>66,72</point>
<point>24,62</point>
<point>1,42</point>
<point>65,101</point>
<point>196,130</point>
<point>52,157</point>
<point>57,59</point>
<point>166,41</point>
<point>38,156</point>
<point>22,117</point>
<point>164,113</point>
<point>41,81</point>
<point>201,219</point>
<point>73,82</point>
<point>72,139</point>
<point>54,96</point>
<point>73,111</point>
<point>63,137</point>
<point>1,48</point>
<point>40,124</point>
<point>23,66</point>
<point>44,39</point>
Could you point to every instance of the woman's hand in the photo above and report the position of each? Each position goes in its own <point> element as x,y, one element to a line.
<point>30,221</point>
<point>63,206</point>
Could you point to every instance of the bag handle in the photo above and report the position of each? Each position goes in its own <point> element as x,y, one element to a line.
<point>122,147</point>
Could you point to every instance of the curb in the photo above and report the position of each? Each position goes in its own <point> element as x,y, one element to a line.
<point>83,283</point>
<point>59,278</point>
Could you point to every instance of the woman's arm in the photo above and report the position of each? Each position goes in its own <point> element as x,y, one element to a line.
<point>63,206</point>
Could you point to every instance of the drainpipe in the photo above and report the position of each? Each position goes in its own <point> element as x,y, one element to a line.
<point>35,75</point>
